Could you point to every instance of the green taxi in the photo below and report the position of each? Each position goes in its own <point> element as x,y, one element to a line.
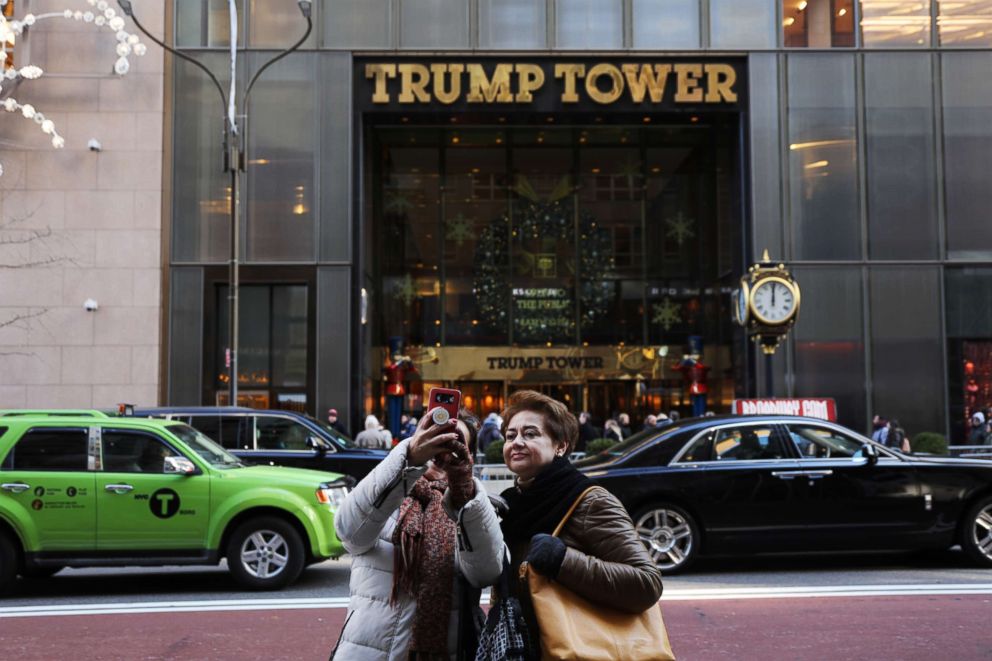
<point>84,490</point>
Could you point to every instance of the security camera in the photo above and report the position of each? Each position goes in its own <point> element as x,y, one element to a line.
<point>94,145</point>
<point>90,305</point>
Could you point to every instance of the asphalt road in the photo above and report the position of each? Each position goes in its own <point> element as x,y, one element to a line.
<point>883,606</point>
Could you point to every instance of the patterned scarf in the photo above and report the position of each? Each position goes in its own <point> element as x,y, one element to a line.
<point>424,565</point>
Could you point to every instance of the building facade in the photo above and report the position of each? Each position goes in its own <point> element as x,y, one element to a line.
<point>562,194</point>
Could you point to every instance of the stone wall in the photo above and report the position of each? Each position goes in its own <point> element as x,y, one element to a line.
<point>77,224</point>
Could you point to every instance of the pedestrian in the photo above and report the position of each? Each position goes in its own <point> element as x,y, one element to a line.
<point>662,420</point>
<point>386,437</point>
<point>371,436</point>
<point>623,420</point>
<point>598,555</point>
<point>613,431</point>
<point>408,426</point>
<point>650,422</point>
<point>979,430</point>
<point>490,431</point>
<point>587,431</point>
<point>896,437</point>
<point>424,539</point>
<point>880,429</point>
<point>335,423</point>
<point>674,415</point>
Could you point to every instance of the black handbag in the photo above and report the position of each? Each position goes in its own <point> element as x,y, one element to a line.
<point>505,636</point>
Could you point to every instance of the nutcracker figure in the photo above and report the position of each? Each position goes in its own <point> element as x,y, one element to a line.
<point>694,373</point>
<point>397,371</point>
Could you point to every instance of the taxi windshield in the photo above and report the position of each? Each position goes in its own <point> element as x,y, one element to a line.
<point>338,437</point>
<point>204,447</point>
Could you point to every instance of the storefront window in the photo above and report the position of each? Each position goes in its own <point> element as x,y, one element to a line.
<point>823,176</point>
<point>967,93</point>
<point>433,24</point>
<point>512,24</point>
<point>901,176</point>
<point>969,346</point>
<point>666,23</point>
<point>895,23</point>
<point>818,23</point>
<point>589,23</point>
<point>742,24</point>
<point>965,23</point>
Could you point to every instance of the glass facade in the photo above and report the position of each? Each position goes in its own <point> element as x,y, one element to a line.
<point>861,162</point>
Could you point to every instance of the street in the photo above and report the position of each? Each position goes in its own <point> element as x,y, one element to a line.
<point>881,606</point>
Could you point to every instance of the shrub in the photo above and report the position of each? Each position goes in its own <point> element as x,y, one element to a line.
<point>929,442</point>
<point>494,452</point>
<point>598,445</point>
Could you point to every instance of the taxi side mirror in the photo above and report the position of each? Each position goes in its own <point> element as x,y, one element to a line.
<point>316,444</point>
<point>179,466</point>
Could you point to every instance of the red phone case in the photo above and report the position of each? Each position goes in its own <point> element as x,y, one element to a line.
<point>447,399</point>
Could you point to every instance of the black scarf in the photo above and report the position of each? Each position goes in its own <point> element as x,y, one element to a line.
<point>541,506</point>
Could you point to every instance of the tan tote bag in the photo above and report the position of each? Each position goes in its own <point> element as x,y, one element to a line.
<point>575,629</point>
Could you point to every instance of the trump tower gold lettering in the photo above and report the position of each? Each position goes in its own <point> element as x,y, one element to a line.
<point>503,83</point>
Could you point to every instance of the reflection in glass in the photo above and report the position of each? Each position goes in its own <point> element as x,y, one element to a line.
<point>280,24</point>
<point>822,156</point>
<point>207,23</point>
<point>280,194</point>
<point>512,24</point>
<point>829,341</point>
<point>818,23</point>
<point>901,176</point>
<point>357,23</point>
<point>967,91</point>
<point>965,23</point>
<point>434,24</point>
<point>969,345</point>
<point>742,24</point>
<point>895,23</point>
<point>666,23</point>
<point>589,23</point>
<point>906,355</point>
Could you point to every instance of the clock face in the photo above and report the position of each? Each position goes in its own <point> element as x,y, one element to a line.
<point>740,297</point>
<point>774,301</point>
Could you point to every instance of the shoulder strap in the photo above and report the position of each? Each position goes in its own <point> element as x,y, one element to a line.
<point>571,509</point>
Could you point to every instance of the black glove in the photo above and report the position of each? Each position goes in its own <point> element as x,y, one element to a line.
<point>546,554</point>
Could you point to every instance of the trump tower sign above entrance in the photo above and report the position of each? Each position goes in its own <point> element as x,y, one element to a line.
<point>546,86</point>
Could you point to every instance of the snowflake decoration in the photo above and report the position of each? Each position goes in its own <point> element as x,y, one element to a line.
<point>398,203</point>
<point>667,313</point>
<point>105,17</point>
<point>680,228</point>
<point>405,291</point>
<point>459,229</point>
<point>631,169</point>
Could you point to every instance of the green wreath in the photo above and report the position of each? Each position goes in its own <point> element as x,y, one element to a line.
<point>551,218</point>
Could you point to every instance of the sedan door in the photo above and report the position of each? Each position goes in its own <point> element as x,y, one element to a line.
<point>853,502</point>
<point>738,488</point>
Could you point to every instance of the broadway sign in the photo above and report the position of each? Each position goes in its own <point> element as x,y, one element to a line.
<point>824,408</point>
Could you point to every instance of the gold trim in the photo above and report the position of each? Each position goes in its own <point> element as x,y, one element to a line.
<point>790,285</point>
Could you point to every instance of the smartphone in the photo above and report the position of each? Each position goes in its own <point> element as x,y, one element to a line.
<point>443,404</point>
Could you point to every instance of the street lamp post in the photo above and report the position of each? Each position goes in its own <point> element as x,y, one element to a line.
<point>235,148</point>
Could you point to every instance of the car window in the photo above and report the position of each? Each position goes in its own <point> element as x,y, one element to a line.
<point>228,431</point>
<point>343,439</point>
<point>275,433</point>
<point>747,443</point>
<point>205,448</point>
<point>131,452</point>
<point>700,449</point>
<point>49,450</point>
<point>814,442</point>
<point>208,425</point>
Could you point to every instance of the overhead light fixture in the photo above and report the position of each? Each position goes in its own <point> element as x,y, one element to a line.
<point>802,5</point>
<point>842,12</point>
<point>305,6</point>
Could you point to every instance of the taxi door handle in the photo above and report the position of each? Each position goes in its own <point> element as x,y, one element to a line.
<point>15,487</point>
<point>787,475</point>
<point>816,475</point>
<point>119,488</point>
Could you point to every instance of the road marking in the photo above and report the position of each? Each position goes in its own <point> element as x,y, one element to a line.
<point>679,594</point>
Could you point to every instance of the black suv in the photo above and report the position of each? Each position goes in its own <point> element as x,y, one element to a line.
<point>280,438</point>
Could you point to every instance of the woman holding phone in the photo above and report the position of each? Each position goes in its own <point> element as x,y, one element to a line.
<point>424,538</point>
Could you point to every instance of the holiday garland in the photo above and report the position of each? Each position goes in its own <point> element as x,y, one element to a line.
<point>534,218</point>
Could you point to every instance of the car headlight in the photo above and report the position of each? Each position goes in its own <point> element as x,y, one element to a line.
<point>333,493</point>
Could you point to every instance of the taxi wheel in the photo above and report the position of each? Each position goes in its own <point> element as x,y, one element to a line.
<point>976,533</point>
<point>8,563</point>
<point>265,553</point>
<point>670,535</point>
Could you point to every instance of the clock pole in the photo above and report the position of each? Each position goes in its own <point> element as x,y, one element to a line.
<point>767,305</point>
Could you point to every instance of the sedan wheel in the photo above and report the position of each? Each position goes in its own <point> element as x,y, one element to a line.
<point>977,537</point>
<point>265,554</point>
<point>669,534</point>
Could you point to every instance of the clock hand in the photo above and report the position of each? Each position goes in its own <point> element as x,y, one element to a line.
<point>774,289</point>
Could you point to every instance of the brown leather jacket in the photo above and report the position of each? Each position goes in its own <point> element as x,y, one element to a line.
<point>606,562</point>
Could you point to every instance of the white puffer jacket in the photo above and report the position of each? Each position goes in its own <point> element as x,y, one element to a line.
<point>374,630</point>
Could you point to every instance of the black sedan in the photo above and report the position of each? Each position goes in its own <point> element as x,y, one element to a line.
<point>753,484</point>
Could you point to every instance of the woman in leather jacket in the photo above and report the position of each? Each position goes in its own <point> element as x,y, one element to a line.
<point>598,554</point>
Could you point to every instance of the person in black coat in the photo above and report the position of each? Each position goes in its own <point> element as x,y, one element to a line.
<point>587,432</point>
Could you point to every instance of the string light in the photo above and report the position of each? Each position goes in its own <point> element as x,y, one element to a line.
<point>105,17</point>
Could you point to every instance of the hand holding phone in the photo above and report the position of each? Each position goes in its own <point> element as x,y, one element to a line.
<point>443,404</point>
